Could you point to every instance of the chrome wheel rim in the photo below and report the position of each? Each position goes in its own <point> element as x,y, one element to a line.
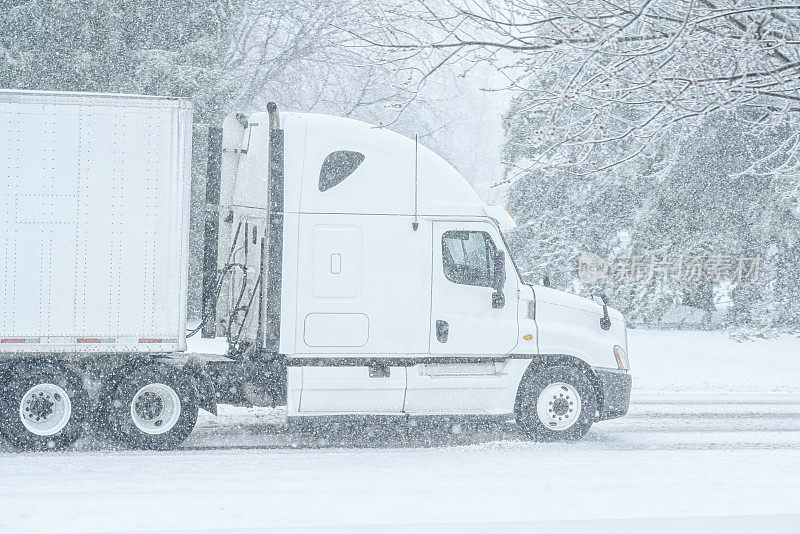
<point>45,409</point>
<point>558,406</point>
<point>155,409</point>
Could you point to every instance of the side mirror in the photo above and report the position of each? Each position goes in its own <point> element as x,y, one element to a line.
<point>498,300</point>
<point>605,320</point>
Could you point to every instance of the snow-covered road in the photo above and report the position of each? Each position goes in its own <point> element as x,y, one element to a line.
<point>713,432</point>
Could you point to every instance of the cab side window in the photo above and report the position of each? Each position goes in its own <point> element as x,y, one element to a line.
<point>469,258</point>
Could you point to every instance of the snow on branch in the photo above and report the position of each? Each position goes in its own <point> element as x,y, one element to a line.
<point>601,81</point>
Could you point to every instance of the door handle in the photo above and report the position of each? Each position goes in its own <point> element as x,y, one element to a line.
<point>442,331</point>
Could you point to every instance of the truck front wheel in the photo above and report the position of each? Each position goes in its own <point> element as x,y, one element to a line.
<point>556,404</point>
<point>43,406</point>
<point>153,407</point>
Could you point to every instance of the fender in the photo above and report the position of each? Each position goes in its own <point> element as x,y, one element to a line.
<point>205,386</point>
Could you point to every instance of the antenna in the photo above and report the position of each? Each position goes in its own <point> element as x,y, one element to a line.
<point>415,224</point>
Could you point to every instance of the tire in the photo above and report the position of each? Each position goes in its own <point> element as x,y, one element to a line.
<point>556,404</point>
<point>154,406</point>
<point>43,406</point>
<point>99,423</point>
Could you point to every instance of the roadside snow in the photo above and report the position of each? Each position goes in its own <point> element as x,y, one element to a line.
<point>198,344</point>
<point>668,362</point>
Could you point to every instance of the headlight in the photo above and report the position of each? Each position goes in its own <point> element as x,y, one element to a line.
<point>622,358</point>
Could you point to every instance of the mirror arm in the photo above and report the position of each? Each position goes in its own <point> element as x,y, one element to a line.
<point>605,320</point>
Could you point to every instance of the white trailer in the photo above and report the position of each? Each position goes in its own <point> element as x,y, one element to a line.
<point>94,214</point>
<point>353,272</point>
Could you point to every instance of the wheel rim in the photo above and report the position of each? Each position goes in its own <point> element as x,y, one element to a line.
<point>45,409</point>
<point>558,406</point>
<point>155,409</point>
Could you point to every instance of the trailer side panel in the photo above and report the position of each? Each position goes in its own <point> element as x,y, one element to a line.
<point>94,196</point>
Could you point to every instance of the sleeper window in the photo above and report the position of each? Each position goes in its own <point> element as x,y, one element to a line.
<point>469,258</point>
<point>338,166</point>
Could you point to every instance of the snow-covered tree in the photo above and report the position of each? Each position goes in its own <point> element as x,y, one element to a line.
<point>626,73</point>
<point>683,200</point>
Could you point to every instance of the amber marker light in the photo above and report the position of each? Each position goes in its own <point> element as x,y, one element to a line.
<point>622,358</point>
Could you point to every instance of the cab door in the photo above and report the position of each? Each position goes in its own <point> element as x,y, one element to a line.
<point>471,312</point>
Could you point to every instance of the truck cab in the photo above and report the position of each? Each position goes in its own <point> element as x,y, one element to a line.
<point>384,285</point>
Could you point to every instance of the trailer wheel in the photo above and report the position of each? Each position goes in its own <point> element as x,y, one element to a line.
<point>556,404</point>
<point>153,407</point>
<point>43,406</point>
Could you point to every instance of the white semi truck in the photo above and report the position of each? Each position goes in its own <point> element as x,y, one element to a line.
<point>353,271</point>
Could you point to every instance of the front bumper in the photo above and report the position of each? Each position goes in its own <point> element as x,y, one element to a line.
<point>615,393</point>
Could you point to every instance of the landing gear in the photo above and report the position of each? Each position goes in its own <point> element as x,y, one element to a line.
<point>43,406</point>
<point>556,404</point>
